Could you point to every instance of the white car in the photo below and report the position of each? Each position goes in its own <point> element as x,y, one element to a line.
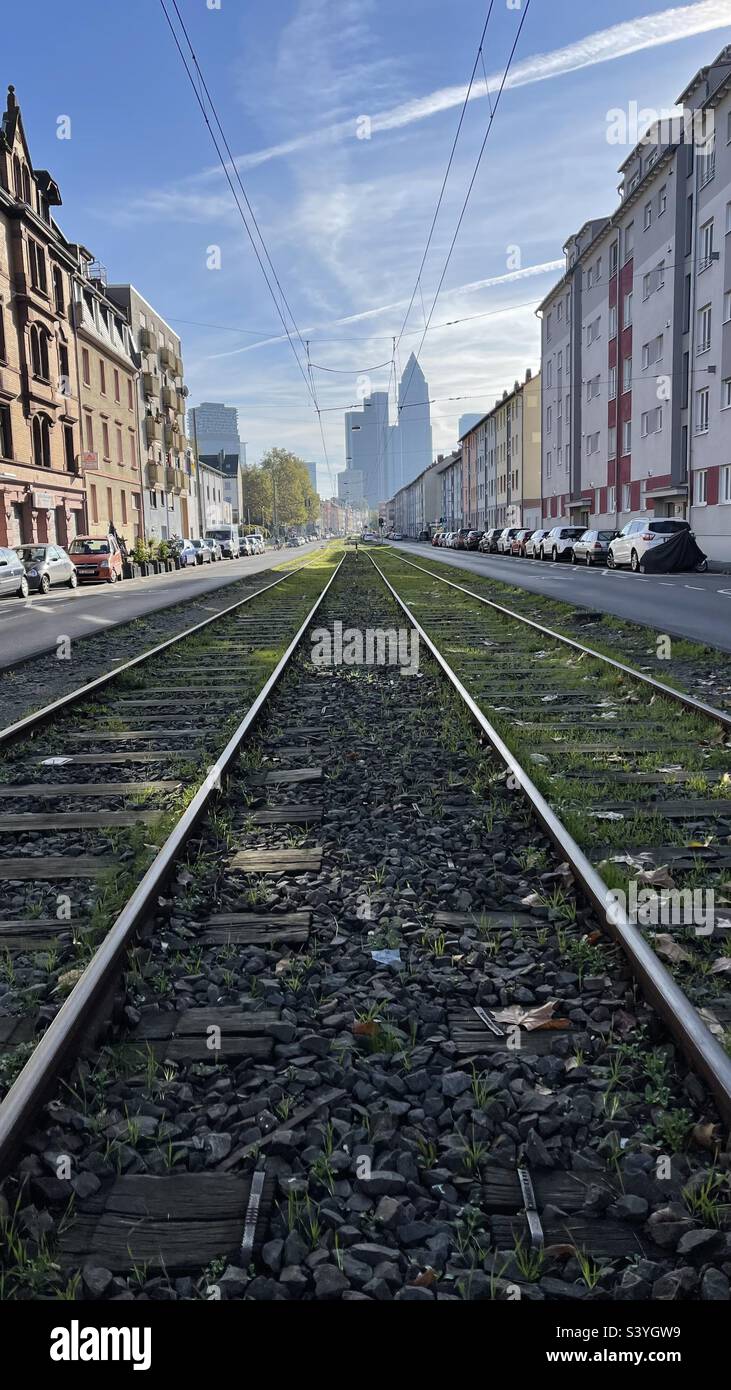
<point>505,539</point>
<point>533,543</point>
<point>640,535</point>
<point>559,543</point>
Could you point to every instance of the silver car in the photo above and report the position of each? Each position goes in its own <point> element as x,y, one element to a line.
<point>45,565</point>
<point>214,546</point>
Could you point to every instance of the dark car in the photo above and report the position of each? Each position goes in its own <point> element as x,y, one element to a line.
<point>473,540</point>
<point>46,565</point>
<point>592,547</point>
<point>488,541</point>
<point>12,574</point>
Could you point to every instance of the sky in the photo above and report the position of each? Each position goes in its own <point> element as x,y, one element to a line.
<point>340,115</point>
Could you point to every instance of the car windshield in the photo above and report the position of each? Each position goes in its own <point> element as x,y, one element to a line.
<point>570,531</point>
<point>218,536</point>
<point>89,547</point>
<point>31,552</point>
<point>606,535</point>
<point>198,543</point>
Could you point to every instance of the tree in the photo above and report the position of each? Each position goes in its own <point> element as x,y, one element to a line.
<point>280,481</point>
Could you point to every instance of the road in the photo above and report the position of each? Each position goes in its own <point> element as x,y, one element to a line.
<point>33,625</point>
<point>696,606</point>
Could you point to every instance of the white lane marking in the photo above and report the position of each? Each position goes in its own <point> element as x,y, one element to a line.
<point>698,588</point>
<point>727,592</point>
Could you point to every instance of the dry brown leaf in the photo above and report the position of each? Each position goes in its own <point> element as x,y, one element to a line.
<point>669,949</point>
<point>712,1023</point>
<point>530,1019</point>
<point>425,1279</point>
<point>706,1135</point>
<point>722,966</point>
<point>367,1028</point>
<point>659,878</point>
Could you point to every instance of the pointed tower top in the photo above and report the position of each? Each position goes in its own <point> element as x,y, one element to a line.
<point>12,103</point>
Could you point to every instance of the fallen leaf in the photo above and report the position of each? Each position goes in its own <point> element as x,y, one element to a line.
<point>559,1252</point>
<point>66,982</point>
<point>659,878</point>
<point>607,815</point>
<point>706,1135</point>
<point>425,1279</point>
<point>712,1023</point>
<point>669,949</point>
<point>533,900</point>
<point>284,964</point>
<point>365,1028</point>
<point>530,1019</point>
<point>722,966</point>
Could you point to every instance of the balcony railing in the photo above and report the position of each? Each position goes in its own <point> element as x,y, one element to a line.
<point>154,474</point>
<point>150,384</point>
<point>148,340</point>
<point>153,429</point>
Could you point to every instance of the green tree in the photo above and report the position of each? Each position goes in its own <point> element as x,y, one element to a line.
<point>279,491</point>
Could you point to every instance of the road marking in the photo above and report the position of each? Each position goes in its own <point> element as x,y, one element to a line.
<point>698,588</point>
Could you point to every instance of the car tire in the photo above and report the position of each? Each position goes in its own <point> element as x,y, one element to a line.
<point>45,584</point>
<point>23,589</point>
<point>554,555</point>
<point>634,562</point>
<point>589,561</point>
<point>73,580</point>
<point>611,562</point>
<point>574,560</point>
<point>112,578</point>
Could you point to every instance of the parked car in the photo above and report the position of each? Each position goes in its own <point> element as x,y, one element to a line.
<point>182,549</point>
<point>531,549</point>
<point>258,542</point>
<point>247,545</point>
<point>517,545</point>
<point>638,536</point>
<point>46,565</point>
<point>203,552</point>
<point>437,538</point>
<point>592,547</point>
<point>13,579</point>
<point>505,539</point>
<point>397,536</point>
<point>473,540</point>
<point>228,539</point>
<point>460,538</point>
<point>559,543</point>
<point>488,542</point>
<point>96,557</point>
<point>214,546</point>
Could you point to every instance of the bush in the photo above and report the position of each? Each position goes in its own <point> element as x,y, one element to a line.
<point>140,551</point>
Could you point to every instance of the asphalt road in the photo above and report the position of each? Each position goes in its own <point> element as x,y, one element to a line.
<point>696,606</point>
<point>33,625</point>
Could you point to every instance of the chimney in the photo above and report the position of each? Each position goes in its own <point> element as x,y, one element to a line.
<point>12,103</point>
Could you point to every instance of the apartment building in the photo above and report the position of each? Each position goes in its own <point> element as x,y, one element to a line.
<point>108,371</point>
<point>419,503</point>
<point>504,453</point>
<point>636,336</point>
<point>449,470</point>
<point>165,453</point>
<point>41,488</point>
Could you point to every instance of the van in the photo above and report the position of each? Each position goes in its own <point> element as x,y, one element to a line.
<point>228,539</point>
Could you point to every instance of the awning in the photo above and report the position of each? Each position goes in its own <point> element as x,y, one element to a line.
<point>672,490</point>
<point>580,504</point>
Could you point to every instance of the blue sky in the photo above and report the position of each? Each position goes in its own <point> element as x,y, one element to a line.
<point>345,219</point>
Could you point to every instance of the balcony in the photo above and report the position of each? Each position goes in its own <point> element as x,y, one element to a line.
<point>148,340</point>
<point>178,367</point>
<point>153,429</point>
<point>150,384</point>
<point>170,475</point>
<point>169,397</point>
<point>181,482</point>
<point>154,474</point>
<point>168,358</point>
<point>180,403</point>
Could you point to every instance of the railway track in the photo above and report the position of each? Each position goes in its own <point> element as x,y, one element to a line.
<point>367,1039</point>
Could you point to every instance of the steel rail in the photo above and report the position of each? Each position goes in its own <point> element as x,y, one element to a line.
<point>37,718</point>
<point>659,687</point>
<point>683,1021</point>
<point>29,1090</point>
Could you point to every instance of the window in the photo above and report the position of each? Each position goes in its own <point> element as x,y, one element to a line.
<point>627,312</point>
<point>549,463</point>
<point>58,293</point>
<point>68,448</point>
<point>592,388</point>
<point>612,383</point>
<point>648,215</point>
<point>728,217</point>
<point>590,277</point>
<point>102,377</point>
<point>598,267</point>
<point>105,440</point>
<point>627,374</point>
<point>652,351</point>
<point>37,259</point>
<point>120,446</point>
<point>703,328</point>
<point>592,331</point>
<point>135,501</point>
<point>707,161</point>
<point>726,307</point>
<point>700,488</point>
<point>549,420</point>
<point>89,432</point>
<point>94,504</point>
<point>6,436</point>
<point>116,384</point>
<point>559,311</point>
<point>611,499</point>
<point>64,385</point>
<point>549,317</point>
<point>662,200</point>
<point>705,245</point>
<point>701,410</point>
<point>612,442</point>
<point>627,437</point>
<point>592,443</point>
<point>613,321</point>
<point>726,394</point>
<point>2,333</point>
<point>132,449</point>
<point>629,242</point>
<point>724,484</point>
<point>549,373</point>
<point>651,421</point>
<point>85,368</point>
<point>41,435</point>
<point>626,497</point>
<point>613,258</point>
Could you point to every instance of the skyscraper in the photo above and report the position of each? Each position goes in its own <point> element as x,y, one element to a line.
<point>215,427</point>
<point>312,470</point>
<point>412,451</point>
<point>366,445</point>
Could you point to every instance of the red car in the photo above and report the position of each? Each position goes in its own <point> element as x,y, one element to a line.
<point>517,545</point>
<point>97,558</point>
